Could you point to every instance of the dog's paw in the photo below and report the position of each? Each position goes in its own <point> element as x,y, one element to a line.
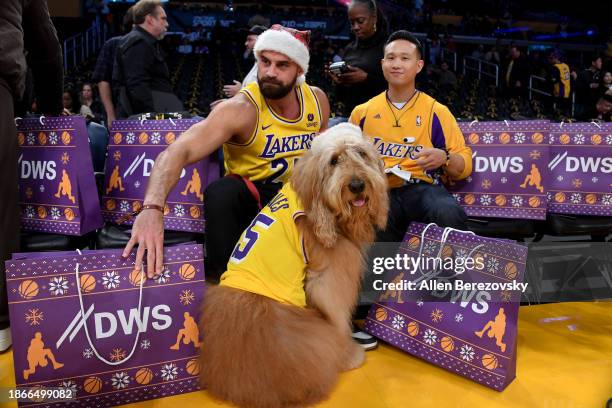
<point>355,356</point>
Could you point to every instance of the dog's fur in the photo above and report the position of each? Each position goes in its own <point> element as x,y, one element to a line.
<point>258,352</point>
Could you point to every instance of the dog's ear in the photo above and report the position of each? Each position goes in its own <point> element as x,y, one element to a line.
<point>307,181</point>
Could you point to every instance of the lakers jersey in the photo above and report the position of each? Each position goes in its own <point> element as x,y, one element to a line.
<point>398,134</point>
<point>270,259</point>
<point>562,87</point>
<point>276,142</point>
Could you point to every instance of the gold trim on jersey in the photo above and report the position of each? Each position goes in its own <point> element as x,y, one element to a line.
<point>254,133</point>
<point>298,90</point>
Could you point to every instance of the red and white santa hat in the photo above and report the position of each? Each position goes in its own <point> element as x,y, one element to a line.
<point>293,43</point>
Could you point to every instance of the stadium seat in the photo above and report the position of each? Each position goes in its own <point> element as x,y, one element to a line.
<point>598,228</point>
<point>518,230</point>
<point>113,236</point>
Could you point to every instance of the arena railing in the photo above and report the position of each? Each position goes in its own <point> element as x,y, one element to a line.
<point>450,57</point>
<point>80,47</point>
<point>478,67</point>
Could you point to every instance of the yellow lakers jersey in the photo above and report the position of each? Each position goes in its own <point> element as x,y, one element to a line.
<point>270,258</point>
<point>562,88</point>
<point>398,134</point>
<point>276,142</point>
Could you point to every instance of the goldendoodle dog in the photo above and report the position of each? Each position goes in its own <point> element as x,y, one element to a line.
<point>276,331</point>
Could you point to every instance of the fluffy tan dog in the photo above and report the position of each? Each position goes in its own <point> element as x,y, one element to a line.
<point>259,352</point>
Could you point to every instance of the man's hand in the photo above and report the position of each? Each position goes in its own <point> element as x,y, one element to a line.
<point>430,158</point>
<point>231,90</point>
<point>148,233</point>
<point>353,76</point>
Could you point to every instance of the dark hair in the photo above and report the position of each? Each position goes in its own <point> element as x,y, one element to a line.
<point>406,36</point>
<point>128,20</point>
<point>381,21</point>
<point>143,8</point>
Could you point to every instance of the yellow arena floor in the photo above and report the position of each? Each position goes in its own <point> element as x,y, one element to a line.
<point>564,361</point>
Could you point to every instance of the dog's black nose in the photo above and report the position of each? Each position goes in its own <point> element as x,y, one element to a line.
<point>356,186</point>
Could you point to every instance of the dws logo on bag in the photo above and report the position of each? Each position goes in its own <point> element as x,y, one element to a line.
<point>37,169</point>
<point>581,164</point>
<point>107,324</point>
<point>497,164</point>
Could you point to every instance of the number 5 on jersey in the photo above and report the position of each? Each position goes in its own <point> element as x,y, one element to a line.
<point>250,236</point>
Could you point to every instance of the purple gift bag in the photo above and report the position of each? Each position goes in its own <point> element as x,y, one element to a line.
<point>459,315</point>
<point>132,150</point>
<point>89,324</point>
<point>581,169</point>
<point>509,175</point>
<point>57,188</point>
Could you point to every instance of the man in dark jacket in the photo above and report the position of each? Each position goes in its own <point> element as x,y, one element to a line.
<point>24,25</point>
<point>140,69</point>
<point>516,76</point>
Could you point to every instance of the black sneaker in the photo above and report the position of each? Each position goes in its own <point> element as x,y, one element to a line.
<point>364,339</point>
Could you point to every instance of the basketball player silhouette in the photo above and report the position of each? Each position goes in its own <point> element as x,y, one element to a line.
<point>194,186</point>
<point>189,333</point>
<point>496,328</point>
<point>37,356</point>
<point>65,187</point>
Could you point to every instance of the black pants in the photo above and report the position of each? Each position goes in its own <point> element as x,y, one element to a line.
<point>421,202</point>
<point>229,208</point>
<point>9,204</point>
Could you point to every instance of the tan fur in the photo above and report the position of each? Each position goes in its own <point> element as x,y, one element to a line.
<point>260,353</point>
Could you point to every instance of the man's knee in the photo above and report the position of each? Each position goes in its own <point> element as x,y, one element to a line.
<point>223,194</point>
<point>448,213</point>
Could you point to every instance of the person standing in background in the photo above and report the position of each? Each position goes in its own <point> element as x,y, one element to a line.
<point>26,26</point>
<point>364,78</point>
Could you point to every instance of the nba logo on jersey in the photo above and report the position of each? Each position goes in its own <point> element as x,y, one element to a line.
<point>418,120</point>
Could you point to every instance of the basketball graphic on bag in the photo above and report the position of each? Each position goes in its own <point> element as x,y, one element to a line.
<point>135,277</point>
<point>20,138</point>
<point>66,137</point>
<point>489,361</point>
<point>510,270</point>
<point>500,200</point>
<point>88,283</point>
<point>194,211</point>
<point>193,367</point>
<point>117,138</point>
<point>447,251</point>
<point>143,138</point>
<point>69,214</point>
<point>136,206</point>
<point>447,344</point>
<point>504,138</point>
<point>187,271</point>
<point>170,138</point>
<point>42,138</point>
<point>474,138</point>
<point>143,376</point>
<point>381,314</point>
<point>42,212</point>
<point>534,201</point>
<point>413,329</point>
<point>559,197</point>
<point>591,199</point>
<point>111,204</point>
<point>92,385</point>
<point>537,138</point>
<point>596,139</point>
<point>564,139</point>
<point>470,199</point>
<point>414,242</point>
<point>166,209</point>
<point>28,289</point>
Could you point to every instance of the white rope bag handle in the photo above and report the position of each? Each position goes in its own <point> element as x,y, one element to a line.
<point>93,348</point>
<point>445,234</point>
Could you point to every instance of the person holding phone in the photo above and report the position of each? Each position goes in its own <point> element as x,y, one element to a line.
<point>360,76</point>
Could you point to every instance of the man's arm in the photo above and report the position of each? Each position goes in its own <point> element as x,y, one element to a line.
<point>234,120</point>
<point>106,96</point>
<point>324,102</point>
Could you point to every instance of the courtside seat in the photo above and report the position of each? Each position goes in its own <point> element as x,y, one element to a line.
<point>562,224</point>
<point>515,229</point>
<point>113,236</point>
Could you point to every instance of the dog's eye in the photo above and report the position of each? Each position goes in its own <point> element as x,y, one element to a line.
<point>362,153</point>
<point>333,161</point>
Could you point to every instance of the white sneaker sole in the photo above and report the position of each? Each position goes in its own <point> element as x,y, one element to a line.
<point>5,339</point>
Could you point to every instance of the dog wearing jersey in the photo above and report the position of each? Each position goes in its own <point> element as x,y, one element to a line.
<point>276,331</point>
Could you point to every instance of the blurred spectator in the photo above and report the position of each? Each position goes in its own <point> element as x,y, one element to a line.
<point>103,73</point>
<point>493,55</point>
<point>606,82</point>
<point>516,74</point>
<point>251,76</point>
<point>601,110</point>
<point>69,101</point>
<point>434,49</point>
<point>479,53</point>
<point>91,107</point>
<point>363,78</point>
<point>560,79</point>
<point>587,86</point>
<point>447,80</point>
<point>140,67</point>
